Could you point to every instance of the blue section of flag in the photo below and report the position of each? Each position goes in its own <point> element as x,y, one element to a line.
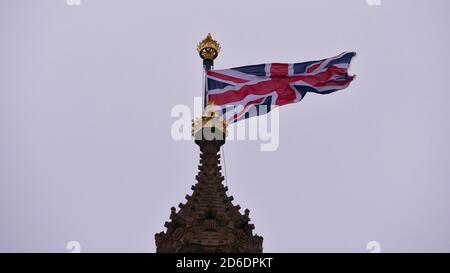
<point>213,84</point>
<point>346,58</point>
<point>301,67</point>
<point>256,70</point>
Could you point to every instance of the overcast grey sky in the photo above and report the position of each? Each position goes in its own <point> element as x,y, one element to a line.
<point>86,152</point>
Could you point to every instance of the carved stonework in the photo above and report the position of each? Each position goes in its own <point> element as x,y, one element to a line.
<point>208,221</point>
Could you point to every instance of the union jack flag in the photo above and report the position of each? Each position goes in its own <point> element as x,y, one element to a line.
<point>247,91</point>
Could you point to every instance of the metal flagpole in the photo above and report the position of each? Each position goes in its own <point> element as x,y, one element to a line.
<point>208,64</point>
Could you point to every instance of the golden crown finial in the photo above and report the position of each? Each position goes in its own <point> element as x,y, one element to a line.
<point>210,110</point>
<point>208,48</point>
<point>210,118</point>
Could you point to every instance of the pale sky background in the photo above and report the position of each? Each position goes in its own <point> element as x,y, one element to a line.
<point>86,152</point>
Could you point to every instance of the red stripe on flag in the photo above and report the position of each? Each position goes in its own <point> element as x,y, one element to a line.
<point>279,70</point>
<point>313,67</point>
<point>260,88</point>
<point>225,77</point>
<point>279,84</point>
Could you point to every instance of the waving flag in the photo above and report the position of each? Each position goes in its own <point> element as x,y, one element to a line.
<point>243,92</point>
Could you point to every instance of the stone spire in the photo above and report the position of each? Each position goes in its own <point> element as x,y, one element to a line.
<point>208,221</point>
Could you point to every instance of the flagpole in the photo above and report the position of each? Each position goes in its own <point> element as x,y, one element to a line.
<point>208,64</point>
<point>208,49</point>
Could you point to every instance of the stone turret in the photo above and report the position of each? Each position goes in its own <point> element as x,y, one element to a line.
<point>208,221</point>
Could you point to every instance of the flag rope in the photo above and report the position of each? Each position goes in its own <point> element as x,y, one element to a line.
<point>224,167</point>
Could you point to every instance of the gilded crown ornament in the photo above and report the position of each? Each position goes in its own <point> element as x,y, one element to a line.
<point>208,48</point>
<point>211,119</point>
